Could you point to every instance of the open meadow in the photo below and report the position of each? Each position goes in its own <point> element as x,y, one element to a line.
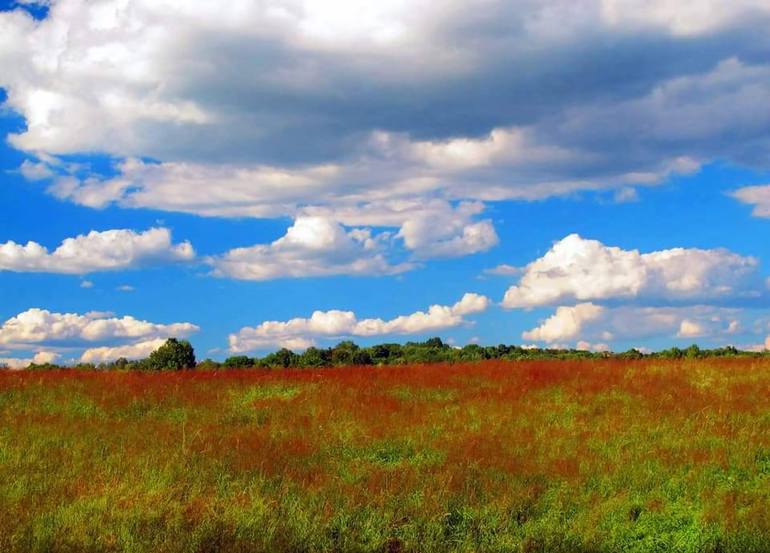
<point>571,456</point>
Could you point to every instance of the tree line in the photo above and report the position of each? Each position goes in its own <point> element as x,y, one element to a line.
<point>179,355</point>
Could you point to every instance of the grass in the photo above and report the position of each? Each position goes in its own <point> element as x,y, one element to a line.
<point>552,456</point>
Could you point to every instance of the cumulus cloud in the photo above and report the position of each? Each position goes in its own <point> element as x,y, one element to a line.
<point>582,345</point>
<point>96,251</point>
<point>589,322</point>
<point>566,323</point>
<point>312,246</point>
<point>578,270</point>
<point>40,327</point>
<point>35,171</point>
<point>40,358</point>
<point>259,110</point>
<point>138,350</point>
<point>429,228</point>
<point>758,196</point>
<point>299,333</point>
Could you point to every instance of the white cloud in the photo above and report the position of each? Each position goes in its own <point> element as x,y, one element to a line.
<point>430,228</point>
<point>566,323</point>
<point>42,327</point>
<point>96,251</point>
<point>125,288</point>
<point>626,195</point>
<point>35,171</point>
<point>589,322</point>
<point>582,345</point>
<point>503,270</point>
<point>40,358</point>
<point>681,18</point>
<point>312,246</point>
<point>440,115</point>
<point>299,333</point>
<point>86,284</point>
<point>579,270</point>
<point>758,196</point>
<point>690,329</point>
<point>138,350</point>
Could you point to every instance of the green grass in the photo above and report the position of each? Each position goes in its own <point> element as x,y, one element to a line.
<point>539,456</point>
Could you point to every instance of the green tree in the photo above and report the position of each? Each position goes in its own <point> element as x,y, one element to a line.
<point>693,352</point>
<point>208,365</point>
<point>174,355</point>
<point>238,362</point>
<point>284,358</point>
<point>349,353</point>
<point>314,357</point>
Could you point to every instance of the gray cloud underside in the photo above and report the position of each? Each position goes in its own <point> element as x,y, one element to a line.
<point>359,105</point>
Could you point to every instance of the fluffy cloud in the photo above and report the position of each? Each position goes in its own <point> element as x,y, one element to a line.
<point>758,196</point>
<point>566,323</point>
<point>299,333</point>
<point>312,246</point>
<point>35,171</point>
<point>96,251</point>
<point>39,358</point>
<point>429,228</point>
<point>40,327</point>
<point>138,350</point>
<point>260,110</point>
<point>587,346</point>
<point>591,322</point>
<point>579,270</point>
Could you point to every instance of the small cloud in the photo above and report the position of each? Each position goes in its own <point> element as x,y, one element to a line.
<point>125,288</point>
<point>86,284</point>
<point>503,270</point>
<point>690,329</point>
<point>583,345</point>
<point>299,333</point>
<point>626,195</point>
<point>35,171</point>
<point>99,314</point>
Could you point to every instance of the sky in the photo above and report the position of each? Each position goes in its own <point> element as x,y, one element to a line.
<point>591,175</point>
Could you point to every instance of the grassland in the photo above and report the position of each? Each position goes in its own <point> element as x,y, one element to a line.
<point>572,456</point>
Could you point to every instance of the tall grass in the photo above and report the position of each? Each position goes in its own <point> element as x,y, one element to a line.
<point>569,456</point>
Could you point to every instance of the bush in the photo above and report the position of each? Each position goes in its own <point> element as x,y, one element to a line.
<point>174,355</point>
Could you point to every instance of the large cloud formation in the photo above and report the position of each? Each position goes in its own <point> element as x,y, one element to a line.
<point>96,251</point>
<point>604,294</point>
<point>299,333</point>
<point>265,109</point>
<point>105,336</point>
<point>577,270</point>
<point>588,321</point>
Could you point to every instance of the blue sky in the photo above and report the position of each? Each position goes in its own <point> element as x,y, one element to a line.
<point>367,165</point>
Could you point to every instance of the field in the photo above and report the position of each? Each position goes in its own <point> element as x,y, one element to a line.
<point>571,456</point>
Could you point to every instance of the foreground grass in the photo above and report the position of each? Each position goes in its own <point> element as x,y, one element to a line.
<point>530,456</point>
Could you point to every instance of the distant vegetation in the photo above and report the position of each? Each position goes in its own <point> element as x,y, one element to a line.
<point>178,355</point>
